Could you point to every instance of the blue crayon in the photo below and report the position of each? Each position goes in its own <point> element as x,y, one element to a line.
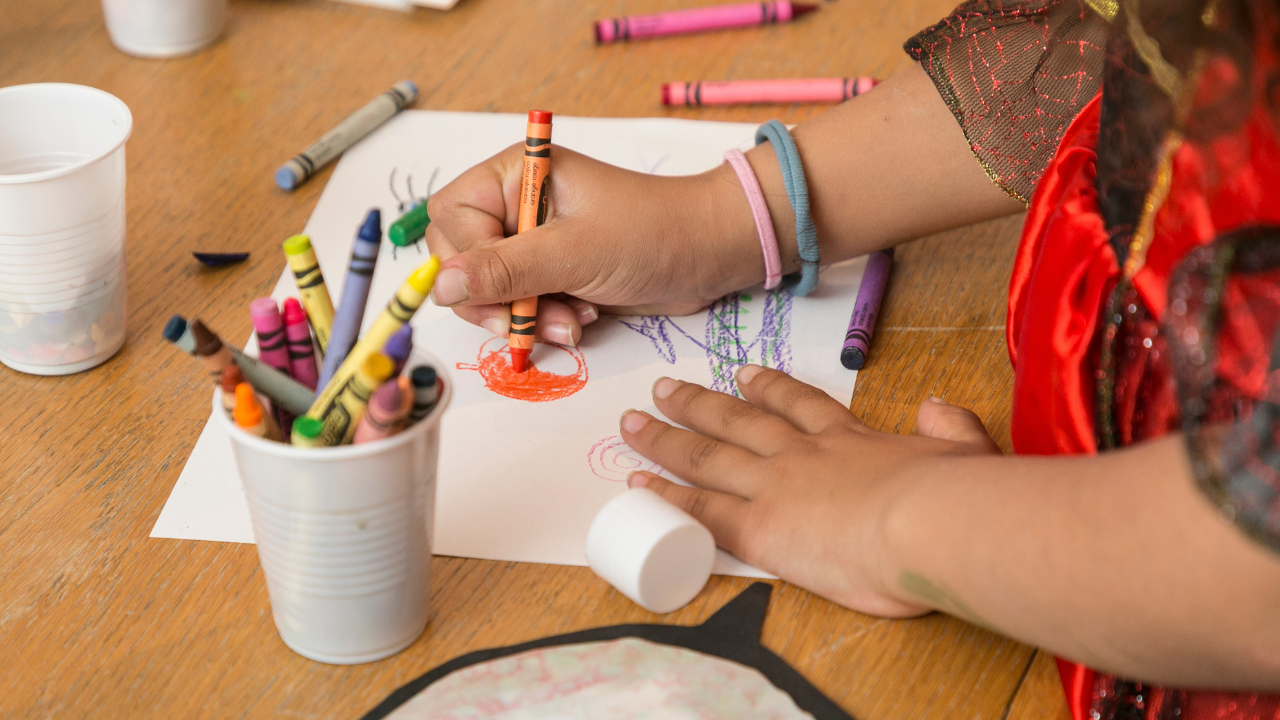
<point>355,293</point>
<point>398,348</point>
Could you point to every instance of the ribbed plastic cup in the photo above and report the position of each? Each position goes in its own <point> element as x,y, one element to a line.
<point>163,28</point>
<point>62,227</point>
<point>344,534</point>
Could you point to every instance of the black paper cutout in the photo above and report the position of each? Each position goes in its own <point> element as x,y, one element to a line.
<point>219,259</point>
<point>732,633</point>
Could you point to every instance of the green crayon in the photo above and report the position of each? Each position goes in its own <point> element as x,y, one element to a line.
<point>410,227</point>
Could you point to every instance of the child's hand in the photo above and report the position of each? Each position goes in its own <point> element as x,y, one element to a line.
<point>791,482</point>
<point>613,239</point>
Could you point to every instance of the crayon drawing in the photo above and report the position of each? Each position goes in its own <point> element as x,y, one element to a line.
<point>535,384</point>
<point>612,459</point>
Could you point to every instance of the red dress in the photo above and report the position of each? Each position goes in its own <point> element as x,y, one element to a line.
<point>1120,333</point>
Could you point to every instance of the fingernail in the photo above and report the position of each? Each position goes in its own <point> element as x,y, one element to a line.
<point>559,333</point>
<point>747,372</point>
<point>588,314</point>
<point>663,388</point>
<point>637,480</point>
<point>937,399</point>
<point>495,326</point>
<point>451,288</point>
<point>633,421</point>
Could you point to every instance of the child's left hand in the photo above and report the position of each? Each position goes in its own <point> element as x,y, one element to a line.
<point>791,482</point>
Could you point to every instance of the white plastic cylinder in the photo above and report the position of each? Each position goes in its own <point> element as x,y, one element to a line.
<point>651,551</point>
<point>344,534</point>
<point>163,28</point>
<point>62,227</point>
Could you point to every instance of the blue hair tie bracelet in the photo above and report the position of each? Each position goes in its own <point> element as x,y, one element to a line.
<point>776,133</point>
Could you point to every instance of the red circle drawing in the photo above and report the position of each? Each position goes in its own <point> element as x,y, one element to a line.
<point>534,385</point>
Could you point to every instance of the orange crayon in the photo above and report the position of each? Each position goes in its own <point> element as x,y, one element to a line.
<point>250,417</point>
<point>533,211</point>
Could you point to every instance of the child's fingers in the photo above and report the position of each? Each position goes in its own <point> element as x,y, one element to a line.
<point>701,460</point>
<point>723,514</point>
<point>938,419</point>
<point>804,406</point>
<point>722,416</point>
<point>541,261</point>
<point>557,321</point>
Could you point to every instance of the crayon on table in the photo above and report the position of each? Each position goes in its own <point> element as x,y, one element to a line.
<point>857,341</point>
<point>533,211</point>
<point>296,170</point>
<point>384,415</point>
<point>715,17</point>
<point>272,347</point>
<point>302,354</point>
<point>395,315</point>
<point>306,432</point>
<point>231,377</point>
<point>310,281</point>
<point>744,92</point>
<point>426,391</point>
<point>341,422</point>
<point>399,347</point>
<point>250,417</point>
<point>355,294</point>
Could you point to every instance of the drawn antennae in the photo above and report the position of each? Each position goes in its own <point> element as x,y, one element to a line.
<point>394,194</point>
<point>432,182</point>
<point>409,183</point>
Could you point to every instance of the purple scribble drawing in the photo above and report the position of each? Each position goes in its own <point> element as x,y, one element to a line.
<point>613,459</point>
<point>723,343</point>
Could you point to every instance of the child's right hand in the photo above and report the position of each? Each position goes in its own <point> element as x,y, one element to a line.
<point>613,240</point>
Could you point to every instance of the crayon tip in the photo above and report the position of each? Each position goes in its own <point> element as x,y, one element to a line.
<point>286,179</point>
<point>206,342</point>
<point>263,307</point>
<point>798,9</point>
<point>539,117</point>
<point>378,366</point>
<point>231,377</point>
<point>519,360</point>
<point>307,427</point>
<point>423,376</point>
<point>174,328</point>
<point>371,230</point>
<point>666,93</point>
<point>400,343</point>
<point>387,397</point>
<point>599,38</point>
<point>425,276</point>
<point>293,312</point>
<point>248,412</point>
<point>852,358</point>
<point>297,244</point>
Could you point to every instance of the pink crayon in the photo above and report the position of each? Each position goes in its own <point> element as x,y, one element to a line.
<point>743,92</point>
<point>716,17</point>
<point>385,415</point>
<point>302,354</point>
<point>272,346</point>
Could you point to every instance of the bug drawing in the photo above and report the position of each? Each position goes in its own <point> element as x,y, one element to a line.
<point>411,226</point>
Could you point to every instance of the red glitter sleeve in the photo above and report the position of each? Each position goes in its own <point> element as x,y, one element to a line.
<point>1015,74</point>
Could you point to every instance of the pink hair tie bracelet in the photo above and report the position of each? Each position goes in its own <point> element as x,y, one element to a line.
<point>760,212</point>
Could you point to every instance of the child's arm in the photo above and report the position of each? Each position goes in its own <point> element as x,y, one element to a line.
<point>888,166</point>
<point>1115,560</point>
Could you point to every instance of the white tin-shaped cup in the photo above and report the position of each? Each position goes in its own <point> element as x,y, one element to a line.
<point>163,28</point>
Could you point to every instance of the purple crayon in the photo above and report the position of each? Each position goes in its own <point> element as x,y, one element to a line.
<point>398,348</point>
<point>857,341</point>
<point>355,294</point>
<point>273,347</point>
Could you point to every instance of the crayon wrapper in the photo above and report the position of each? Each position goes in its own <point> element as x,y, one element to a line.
<point>533,212</point>
<point>315,294</point>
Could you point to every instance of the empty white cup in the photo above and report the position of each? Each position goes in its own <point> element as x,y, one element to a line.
<point>650,550</point>
<point>344,534</point>
<point>163,28</point>
<point>62,227</point>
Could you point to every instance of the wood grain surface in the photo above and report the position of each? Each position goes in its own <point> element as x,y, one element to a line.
<point>99,621</point>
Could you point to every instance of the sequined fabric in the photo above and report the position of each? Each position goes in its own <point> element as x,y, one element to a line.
<point>1014,74</point>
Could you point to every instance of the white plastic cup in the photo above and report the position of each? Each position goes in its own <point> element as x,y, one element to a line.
<point>163,28</point>
<point>62,227</point>
<point>650,550</point>
<point>344,534</point>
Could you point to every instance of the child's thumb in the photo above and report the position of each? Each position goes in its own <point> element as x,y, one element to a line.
<point>518,267</point>
<point>940,420</point>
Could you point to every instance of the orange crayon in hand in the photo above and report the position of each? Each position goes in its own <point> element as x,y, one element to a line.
<point>533,211</point>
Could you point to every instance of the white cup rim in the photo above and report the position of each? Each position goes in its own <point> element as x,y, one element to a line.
<point>126,131</point>
<point>343,452</point>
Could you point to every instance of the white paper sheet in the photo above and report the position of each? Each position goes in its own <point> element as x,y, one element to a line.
<point>522,480</point>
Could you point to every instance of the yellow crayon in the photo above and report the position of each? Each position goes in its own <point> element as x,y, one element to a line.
<point>398,312</point>
<point>315,294</point>
<point>340,424</point>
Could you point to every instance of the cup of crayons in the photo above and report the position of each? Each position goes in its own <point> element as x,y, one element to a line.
<point>340,483</point>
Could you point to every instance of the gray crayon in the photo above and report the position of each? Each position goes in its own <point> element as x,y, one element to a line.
<point>283,390</point>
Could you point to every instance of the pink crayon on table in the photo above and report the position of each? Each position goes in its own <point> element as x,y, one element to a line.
<point>272,346</point>
<point>715,17</point>
<point>302,354</point>
<point>385,415</point>
<point>783,91</point>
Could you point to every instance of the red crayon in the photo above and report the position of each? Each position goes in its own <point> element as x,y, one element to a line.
<point>302,355</point>
<point>716,17</point>
<point>743,92</point>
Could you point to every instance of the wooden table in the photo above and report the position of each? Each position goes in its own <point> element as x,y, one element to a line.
<point>98,620</point>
